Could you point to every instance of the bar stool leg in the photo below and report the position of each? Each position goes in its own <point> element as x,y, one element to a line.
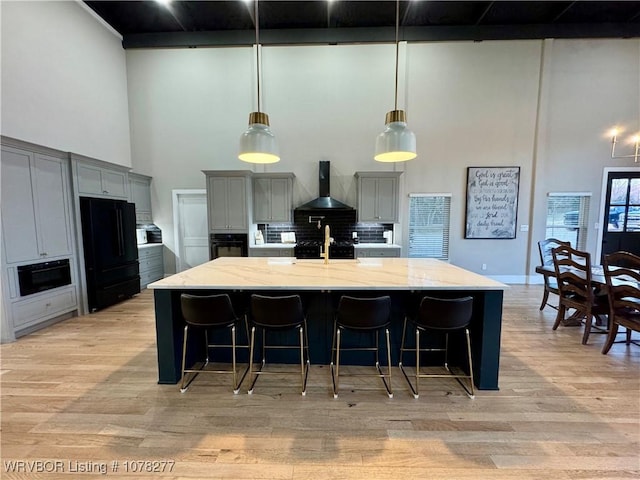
<point>472,393</point>
<point>183,388</point>
<point>251,374</point>
<point>416,392</point>
<point>389,391</point>
<point>303,371</point>
<point>335,370</point>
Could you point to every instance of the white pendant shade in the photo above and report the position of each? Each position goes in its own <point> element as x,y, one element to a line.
<point>257,143</point>
<point>396,143</point>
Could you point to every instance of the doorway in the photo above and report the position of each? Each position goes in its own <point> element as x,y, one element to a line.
<point>621,212</point>
<point>190,228</point>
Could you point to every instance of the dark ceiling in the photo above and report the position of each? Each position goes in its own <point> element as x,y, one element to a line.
<point>221,23</point>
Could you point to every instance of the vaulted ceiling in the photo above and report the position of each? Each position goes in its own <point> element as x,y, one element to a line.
<point>222,23</point>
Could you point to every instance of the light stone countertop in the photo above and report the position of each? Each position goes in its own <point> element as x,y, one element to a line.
<point>376,245</point>
<point>356,245</point>
<point>274,245</point>
<point>148,245</point>
<point>260,273</point>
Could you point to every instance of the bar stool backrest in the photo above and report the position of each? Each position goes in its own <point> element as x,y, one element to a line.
<point>207,310</point>
<point>364,313</point>
<point>444,314</point>
<point>276,312</point>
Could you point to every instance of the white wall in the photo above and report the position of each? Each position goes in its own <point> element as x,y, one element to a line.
<point>509,103</point>
<point>64,80</point>
<point>542,105</point>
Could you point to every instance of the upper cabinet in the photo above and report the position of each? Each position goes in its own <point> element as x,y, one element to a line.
<point>272,197</point>
<point>101,179</point>
<point>378,196</point>
<point>228,194</point>
<point>35,206</point>
<point>140,194</point>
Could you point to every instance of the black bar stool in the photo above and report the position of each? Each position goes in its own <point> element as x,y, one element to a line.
<point>439,316</point>
<point>272,314</point>
<point>361,315</point>
<point>205,313</point>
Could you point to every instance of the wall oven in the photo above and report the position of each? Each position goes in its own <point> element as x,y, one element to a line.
<point>39,277</point>
<point>229,245</point>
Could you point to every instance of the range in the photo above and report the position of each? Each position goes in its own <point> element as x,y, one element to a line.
<point>312,249</point>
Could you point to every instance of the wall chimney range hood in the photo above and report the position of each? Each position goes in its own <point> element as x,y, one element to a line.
<point>324,201</point>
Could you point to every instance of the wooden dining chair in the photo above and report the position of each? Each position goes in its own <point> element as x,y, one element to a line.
<point>546,260</point>
<point>577,291</point>
<point>622,274</point>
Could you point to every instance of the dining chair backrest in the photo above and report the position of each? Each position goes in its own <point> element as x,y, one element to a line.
<point>573,272</point>
<point>622,274</point>
<point>546,246</point>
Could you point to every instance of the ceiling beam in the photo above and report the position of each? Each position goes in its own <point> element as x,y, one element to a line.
<point>333,36</point>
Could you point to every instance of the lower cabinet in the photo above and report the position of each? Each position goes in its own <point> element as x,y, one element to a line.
<point>378,252</point>
<point>38,308</point>
<point>151,263</point>
<point>270,252</point>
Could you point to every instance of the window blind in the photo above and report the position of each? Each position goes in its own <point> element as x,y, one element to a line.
<point>429,225</point>
<point>567,218</point>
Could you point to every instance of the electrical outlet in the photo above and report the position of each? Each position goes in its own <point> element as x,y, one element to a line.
<point>524,228</point>
<point>484,266</point>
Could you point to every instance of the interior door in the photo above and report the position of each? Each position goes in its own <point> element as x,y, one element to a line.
<point>191,231</point>
<point>621,228</point>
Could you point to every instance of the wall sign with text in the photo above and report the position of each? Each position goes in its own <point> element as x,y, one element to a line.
<point>492,202</point>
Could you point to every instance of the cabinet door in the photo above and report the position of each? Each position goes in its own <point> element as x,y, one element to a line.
<point>367,204</point>
<point>237,203</point>
<point>261,200</point>
<point>114,183</point>
<point>141,196</point>
<point>280,200</point>
<point>90,180</point>
<point>52,209</point>
<point>18,213</point>
<point>387,201</point>
<point>218,203</point>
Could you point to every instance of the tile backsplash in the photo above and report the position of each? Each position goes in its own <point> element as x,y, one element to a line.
<point>342,223</point>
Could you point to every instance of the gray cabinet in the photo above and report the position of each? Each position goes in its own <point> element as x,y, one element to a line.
<point>366,252</point>
<point>272,197</point>
<point>378,196</point>
<point>36,227</point>
<point>35,206</point>
<point>228,194</point>
<point>271,252</point>
<point>101,181</point>
<point>140,195</point>
<point>151,263</point>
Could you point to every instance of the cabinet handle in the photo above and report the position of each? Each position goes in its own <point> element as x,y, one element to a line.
<point>105,191</point>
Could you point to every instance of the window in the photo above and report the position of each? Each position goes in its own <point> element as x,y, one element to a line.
<point>429,225</point>
<point>567,217</point>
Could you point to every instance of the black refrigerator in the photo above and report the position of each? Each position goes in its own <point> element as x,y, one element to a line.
<point>110,251</point>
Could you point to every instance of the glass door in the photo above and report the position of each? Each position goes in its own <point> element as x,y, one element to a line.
<point>621,229</point>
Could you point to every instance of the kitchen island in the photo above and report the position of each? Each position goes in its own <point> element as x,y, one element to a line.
<point>320,285</point>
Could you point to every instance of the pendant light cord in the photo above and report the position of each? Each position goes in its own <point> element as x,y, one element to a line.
<point>257,20</point>
<point>397,50</point>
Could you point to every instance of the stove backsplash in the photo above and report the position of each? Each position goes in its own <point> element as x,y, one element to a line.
<point>341,223</point>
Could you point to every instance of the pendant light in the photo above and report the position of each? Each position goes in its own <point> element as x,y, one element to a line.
<point>257,143</point>
<point>396,143</point>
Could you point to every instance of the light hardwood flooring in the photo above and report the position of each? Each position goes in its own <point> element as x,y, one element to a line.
<point>82,394</point>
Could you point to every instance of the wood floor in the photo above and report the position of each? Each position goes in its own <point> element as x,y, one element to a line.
<point>81,396</point>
